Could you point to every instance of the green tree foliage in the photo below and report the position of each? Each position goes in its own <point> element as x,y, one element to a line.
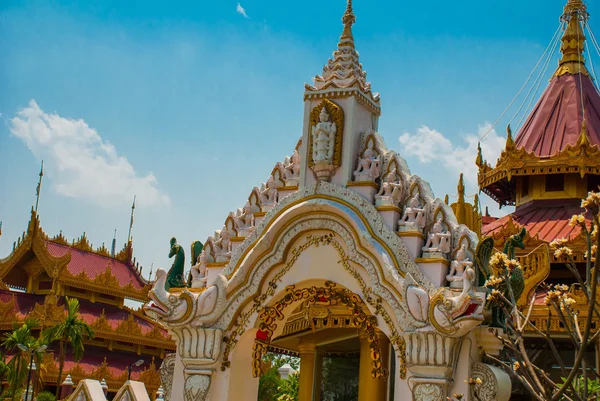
<point>45,396</point>
<point>270,382</point>
<point>19,364</point>
<point>71,330</point>
<point>288,389</point>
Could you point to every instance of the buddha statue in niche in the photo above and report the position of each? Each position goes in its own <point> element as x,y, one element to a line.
<point>323,138</point>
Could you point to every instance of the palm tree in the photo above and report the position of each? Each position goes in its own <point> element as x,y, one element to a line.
<point>71,330</point>
<point>19,335</point>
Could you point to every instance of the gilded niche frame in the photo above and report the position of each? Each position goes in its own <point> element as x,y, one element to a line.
<point>337,116</point>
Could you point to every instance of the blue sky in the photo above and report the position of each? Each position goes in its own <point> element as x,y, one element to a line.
<point>190,104</point>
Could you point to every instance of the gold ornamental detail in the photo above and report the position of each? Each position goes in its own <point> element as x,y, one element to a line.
<point>270,315</point>
<point>239,325</point>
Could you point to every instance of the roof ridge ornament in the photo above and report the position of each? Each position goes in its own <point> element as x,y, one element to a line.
<point>584,140</point>
<point>510,142</point>
<point>573,41</point>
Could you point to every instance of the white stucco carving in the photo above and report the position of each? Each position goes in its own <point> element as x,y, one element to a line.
<point>323,136</point>
<point>391,191</point>
<point>415,217</point>
<point>438,239</point>
<point>167,370</point>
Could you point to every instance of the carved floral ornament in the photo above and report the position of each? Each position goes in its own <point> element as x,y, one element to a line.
<point>269,315</point>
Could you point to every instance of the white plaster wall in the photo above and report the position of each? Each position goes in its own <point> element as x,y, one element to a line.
<point>237,383</point>
<point>462,371</point>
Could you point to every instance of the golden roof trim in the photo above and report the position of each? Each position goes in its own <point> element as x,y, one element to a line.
<point>411,234</point>
<point>582,158</point>
<point>362,184</point>
<point>443,261</point>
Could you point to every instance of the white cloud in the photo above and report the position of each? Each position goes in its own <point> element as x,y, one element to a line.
<point>430,146</point>
<point>80,163</point>
<point>240,10</point>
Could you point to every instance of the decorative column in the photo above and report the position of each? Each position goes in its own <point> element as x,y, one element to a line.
<point>199,349</point>
<point>307,372</point>
<point>369,388</point>
<point>430,358</point>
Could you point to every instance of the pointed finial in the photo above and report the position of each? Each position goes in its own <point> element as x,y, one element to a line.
<point>348,19</point>
<point>447,199</point>
<point>583,140</point>
<point>509,139</point>
<point>131,220</point>
<point>479,159</point>
<point>461,188</point>
<point>39,188</point>
<point>572,62</point>
<point>113,249</point>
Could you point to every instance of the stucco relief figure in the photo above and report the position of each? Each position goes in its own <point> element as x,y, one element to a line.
<point>323,137</point>
<point>368,165</point>
<point>199,276</point>
<point>268,192</point>
<point>391,190</point>
<point>292,169</point>
<point>458,268</point>
<point>438,239</point>
<point>445,312</point>
<point>414,218</point>
<point>169,307</point>
<point>222,246</point>
<point>245,221</point>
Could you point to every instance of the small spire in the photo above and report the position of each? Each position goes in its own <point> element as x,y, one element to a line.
<point>479,160</point>
<point>573,41</point>
<point>131,220</point>
<point>461,211</point>
<point>113,249</point>
<point>39,188</point>
<point>510,143</point>
<point>348,19</point>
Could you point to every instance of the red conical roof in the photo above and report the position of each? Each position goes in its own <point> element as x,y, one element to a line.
<point>557,118</point>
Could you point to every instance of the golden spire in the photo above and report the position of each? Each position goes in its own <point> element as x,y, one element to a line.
<point>348,19</point>
<point>573,41</point>
<point>510,143</point>
<point>479,160</point>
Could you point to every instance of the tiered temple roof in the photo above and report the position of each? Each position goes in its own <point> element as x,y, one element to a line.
<point>75,264</point>
<point>550,166</point>
<point>562,133</point>
<point>41,270</point>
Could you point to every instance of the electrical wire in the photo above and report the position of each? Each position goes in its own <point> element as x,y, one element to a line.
<point>522,87</point>
<point>536,84</point>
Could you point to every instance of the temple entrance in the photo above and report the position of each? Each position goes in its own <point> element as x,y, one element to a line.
<point>342,355</point>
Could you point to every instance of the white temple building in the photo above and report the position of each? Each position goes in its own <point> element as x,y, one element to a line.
<point>341,250</point>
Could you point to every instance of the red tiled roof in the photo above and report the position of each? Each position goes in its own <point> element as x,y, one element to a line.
<point>93,265</point>
<point>556,119</point>
<point>547,221</point>
<point>90,312</point>
<point>485,220</point>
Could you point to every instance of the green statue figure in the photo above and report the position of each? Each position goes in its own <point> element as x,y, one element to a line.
<point>196,250</point>
<point>175,275</point>
<point>485,249</point>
